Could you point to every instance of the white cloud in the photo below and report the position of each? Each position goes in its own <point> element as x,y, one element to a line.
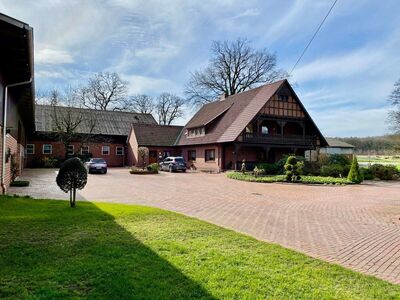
<point>53,56</point>
<point>148,85</point>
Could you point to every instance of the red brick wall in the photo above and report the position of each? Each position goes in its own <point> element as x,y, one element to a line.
<point>113,160</point>
<point>200,163</point>
<point>11,143</point>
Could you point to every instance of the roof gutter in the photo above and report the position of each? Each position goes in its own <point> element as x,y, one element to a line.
<point>4,132</point>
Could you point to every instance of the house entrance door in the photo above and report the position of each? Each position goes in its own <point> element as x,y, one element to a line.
<point>152,156</point>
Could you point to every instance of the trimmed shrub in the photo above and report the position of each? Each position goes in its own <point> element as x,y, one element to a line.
<point>339,159</point>
<point>335,170</point>
<point>311,168</point>
<point>367,173</point>
<point>281,163</point>
<point>270,169</point>
<point>153,168</point>
<point>388,172</point>
<point>71,176</point>
<point>354,174</point>
<point>291,167</point>
<point>19,183</point>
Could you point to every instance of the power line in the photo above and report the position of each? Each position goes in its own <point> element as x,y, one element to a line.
<point>315,34</point>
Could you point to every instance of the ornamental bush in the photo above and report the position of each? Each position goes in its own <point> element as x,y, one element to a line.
<point>291,169</point>
<point>384,172</point>
<point>71,176</point>
<point>355,174</point>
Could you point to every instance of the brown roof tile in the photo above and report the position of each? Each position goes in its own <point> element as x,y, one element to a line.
<point>233,114</point>
<point>107,122</point>
<point>156,135</point>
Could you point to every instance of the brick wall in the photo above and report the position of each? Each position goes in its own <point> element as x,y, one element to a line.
<point>58,150</point>
<point>201,163</point>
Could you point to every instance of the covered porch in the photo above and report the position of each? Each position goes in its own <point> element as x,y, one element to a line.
<point>233,154</point>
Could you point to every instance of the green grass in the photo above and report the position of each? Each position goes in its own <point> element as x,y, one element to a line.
<point>387,159</point>
<point>113,251</point>
<point>281,178</point>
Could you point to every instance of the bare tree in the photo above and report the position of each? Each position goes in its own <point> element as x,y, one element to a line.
<point>141,103</point>
<point>394,115</point>
<point>105,91</point>
<point>233,68</point>
<point>169,108</point>
<point>69,123</point>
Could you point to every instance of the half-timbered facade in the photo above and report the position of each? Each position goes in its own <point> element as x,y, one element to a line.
<point>259,125</point>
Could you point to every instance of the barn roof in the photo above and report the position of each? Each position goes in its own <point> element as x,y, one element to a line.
<point>106,122</point>
<point>336,143</point>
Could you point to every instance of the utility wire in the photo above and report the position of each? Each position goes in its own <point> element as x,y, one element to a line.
<point>315,34</point>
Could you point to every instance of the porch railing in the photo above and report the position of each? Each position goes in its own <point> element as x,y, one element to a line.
<point>278,139</point>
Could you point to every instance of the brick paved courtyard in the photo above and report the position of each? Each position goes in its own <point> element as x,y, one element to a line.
<point>355,226</point>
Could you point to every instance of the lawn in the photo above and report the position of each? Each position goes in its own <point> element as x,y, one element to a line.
<point>113,251</point>
<point>281,178</point>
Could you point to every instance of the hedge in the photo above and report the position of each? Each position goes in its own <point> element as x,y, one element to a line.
<point>281,178</point>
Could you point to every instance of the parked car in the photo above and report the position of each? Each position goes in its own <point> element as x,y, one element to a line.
<point>173,163</point>
<point>96,165</point>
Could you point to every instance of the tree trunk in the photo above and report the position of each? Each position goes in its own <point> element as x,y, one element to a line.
<point>74,196</point>
<point>70,198</point>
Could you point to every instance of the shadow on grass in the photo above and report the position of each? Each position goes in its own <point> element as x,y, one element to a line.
<point>48,250</point>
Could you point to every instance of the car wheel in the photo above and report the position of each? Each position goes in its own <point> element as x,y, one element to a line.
<point>184,171</point>
<point>105,171</point>
<point>170,169</point>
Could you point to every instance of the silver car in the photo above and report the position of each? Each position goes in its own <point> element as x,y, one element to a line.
<point>173,163</point>
<point>97,165</point>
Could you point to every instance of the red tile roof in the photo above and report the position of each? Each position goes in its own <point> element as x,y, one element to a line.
<point>233,114</point>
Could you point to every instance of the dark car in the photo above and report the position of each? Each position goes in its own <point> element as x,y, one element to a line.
<point>97,165</point>
<point>172,163</point>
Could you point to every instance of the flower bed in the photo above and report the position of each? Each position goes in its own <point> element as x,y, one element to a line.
<point>281,178</point>
<point>150,169</point>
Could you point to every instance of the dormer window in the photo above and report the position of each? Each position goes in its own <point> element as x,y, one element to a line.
<point>196,132</point>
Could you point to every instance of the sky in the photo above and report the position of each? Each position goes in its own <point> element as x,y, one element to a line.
<point>343,80</point>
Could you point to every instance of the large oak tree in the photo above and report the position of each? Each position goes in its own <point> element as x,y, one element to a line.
<point>169,108</point>
<point>104,91</point>
<point>233,68</point>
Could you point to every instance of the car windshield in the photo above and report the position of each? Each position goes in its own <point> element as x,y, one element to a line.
<point>98,161</point>
<point>179,159</point>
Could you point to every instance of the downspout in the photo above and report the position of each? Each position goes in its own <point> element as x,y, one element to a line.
<point>3,161</point>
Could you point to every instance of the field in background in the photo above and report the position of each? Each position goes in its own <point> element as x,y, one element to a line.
<point>364,160</point>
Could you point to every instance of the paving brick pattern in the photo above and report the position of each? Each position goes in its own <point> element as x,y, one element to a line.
<point>355,226</point>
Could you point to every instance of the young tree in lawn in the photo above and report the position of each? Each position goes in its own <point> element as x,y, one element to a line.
<point>142,104</point>
<point>169,108</point>
<point>394,115</point>
<point>143,152</point>
<point>72,176</point>
<point>104,91</point>
<point>234,67</point>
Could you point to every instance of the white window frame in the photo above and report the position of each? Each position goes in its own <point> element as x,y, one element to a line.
<point>116,150</point>
<point>51,149</point>
<point>33,149</point>
<point>88,151</point>
<point>73,150</point>
<point>102,150</point>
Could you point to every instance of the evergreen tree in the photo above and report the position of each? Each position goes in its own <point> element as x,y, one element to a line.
<point>355,174</point>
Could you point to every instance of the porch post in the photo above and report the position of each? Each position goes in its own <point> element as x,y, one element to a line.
<point>235,155</point>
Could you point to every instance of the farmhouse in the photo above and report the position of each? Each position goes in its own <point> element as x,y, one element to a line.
<point>258,125</point>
